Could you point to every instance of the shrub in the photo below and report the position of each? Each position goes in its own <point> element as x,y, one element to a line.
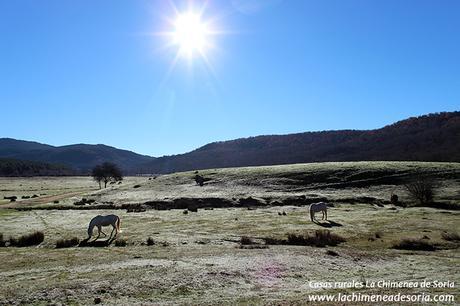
<point>121,243</point>
<point>2,242</point>
<point>67,243</point>
<point>295,239</point>
<point>150,241</point>
<point>245,240</point>
<point>450,236</point>
<point>136,208</point>
<point>199,180</point>
<point>28,240</point>
<point>394,199</point>
<point>422,191</point>
<point>320,238</point>
<point>136,186</point>
<point>274,241</point>
<point>84,201</point>
<point>332,253</point>
<point>415,245</point>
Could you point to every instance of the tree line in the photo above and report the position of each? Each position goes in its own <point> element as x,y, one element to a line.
<point>15,167</point>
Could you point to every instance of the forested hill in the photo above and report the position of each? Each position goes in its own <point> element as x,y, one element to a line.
<point>80,157</point>
<point>434,137</point>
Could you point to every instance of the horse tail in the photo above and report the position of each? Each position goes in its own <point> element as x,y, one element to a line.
<point>119,225</point>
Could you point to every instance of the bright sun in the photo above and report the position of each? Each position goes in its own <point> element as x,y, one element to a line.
<point>190,34</point>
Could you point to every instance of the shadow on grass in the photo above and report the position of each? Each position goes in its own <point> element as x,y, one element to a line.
<point>327,223</point>
<point>96,243</point>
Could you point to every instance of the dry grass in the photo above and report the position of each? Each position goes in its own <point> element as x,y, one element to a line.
<point>198,257</point>
<point>216,270</point>
<point>120,242</point>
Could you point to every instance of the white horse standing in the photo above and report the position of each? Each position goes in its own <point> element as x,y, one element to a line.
<point>317,207</point>
<point>100,221</point>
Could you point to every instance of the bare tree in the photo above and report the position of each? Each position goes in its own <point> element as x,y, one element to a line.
<point>106,172</point>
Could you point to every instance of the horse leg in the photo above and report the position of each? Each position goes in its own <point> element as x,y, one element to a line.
<point>325,212</point>
<point>90,233</point>
<point>100,231</point>
<point>114,229</point>
<point>323,215</point>
<point>312,215</point>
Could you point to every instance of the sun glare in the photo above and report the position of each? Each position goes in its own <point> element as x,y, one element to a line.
<point>190,34</point>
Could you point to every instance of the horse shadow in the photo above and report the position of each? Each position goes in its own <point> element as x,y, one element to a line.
<point>96,243</point>
<point>327,223</point>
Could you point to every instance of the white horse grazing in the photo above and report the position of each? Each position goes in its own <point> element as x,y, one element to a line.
<point>100,221</point>
<point>317,207</point>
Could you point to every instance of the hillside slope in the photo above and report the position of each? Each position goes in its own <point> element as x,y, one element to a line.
<point>434,137</point>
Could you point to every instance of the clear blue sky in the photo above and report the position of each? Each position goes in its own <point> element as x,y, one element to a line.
<point>92,72</point>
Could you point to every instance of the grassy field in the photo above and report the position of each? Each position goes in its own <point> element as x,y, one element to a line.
<point>198,258</point>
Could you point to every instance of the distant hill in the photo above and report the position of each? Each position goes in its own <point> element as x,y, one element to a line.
<point>434,137</point>
<point>14,167</point>
<point>80,157</point>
